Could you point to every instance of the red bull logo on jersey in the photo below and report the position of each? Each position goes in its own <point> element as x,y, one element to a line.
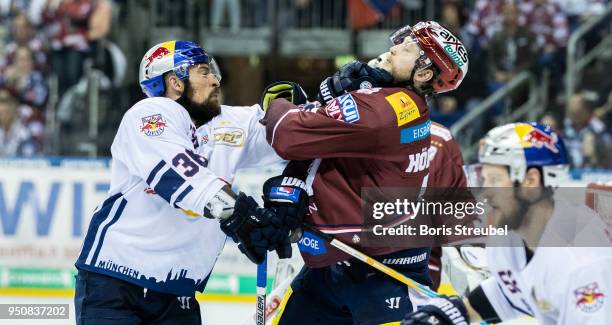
<point>159,53</point>
<point>153,125</point>
<point>589,298</point>
<point>540,139</point>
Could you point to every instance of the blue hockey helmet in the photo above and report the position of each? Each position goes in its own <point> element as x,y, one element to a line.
<point>169,56</point>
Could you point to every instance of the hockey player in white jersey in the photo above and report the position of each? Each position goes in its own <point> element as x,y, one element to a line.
<point>544,267</point>
<point>154,241</point>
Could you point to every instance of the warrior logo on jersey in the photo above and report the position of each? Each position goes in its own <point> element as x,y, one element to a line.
<point>153,125</point>
<point>343,108</point>
<point>589,298</point>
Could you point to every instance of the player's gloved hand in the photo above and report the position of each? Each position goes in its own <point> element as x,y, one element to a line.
<point>442,310</point>
<point>352,76</point>
<point>255,229</point>
<point>287,196</point>
<point>288,90</point>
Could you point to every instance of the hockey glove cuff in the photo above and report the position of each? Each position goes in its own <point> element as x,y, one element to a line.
<point>352,76</point>
<point>291,91</point>
<point>254,229</point>
<point>288,197</point>
<point>442,310</point>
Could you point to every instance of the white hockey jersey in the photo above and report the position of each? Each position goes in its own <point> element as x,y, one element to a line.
<point>558,285</point>
<point>149,230</point>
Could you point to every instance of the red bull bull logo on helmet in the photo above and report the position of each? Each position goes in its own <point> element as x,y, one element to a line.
<point>153,125</point>
<point>540,139</point>
<point>159,52</point>
<point>589,298</point>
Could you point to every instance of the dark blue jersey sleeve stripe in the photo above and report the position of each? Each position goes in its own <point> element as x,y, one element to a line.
<point>169,183</point>
<point>181,196</point>
<point>155,171</point>
<point>96,220</point>
<point>105,229</point>
<point>513,305</point>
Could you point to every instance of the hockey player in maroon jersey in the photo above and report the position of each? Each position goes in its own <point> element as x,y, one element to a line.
<point>369,137</point>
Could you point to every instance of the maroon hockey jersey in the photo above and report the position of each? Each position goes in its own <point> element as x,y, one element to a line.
<point>368,138</point>
<point>445,171</point>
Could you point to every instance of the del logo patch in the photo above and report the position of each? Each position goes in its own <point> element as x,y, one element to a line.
<point>343,108</point>
<point>589,298</point>
<point>229,136</point>
<point>153,125</point>
<point>405,108</point>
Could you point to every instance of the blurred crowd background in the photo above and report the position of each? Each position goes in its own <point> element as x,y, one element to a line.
<point>69,68</point>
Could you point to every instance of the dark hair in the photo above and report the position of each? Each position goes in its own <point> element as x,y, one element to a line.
<point>427,90</point>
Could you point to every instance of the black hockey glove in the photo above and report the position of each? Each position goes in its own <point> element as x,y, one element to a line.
<point>288,90</point>
<point>287,196</point>
<point>352,76</point>
<point>254,229</point>
<point>442,310</point>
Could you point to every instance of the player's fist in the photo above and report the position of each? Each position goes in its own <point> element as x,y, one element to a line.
<point>440,311</point>
<point>352,76</point>
<point>255,229</point>
<point>288,90</point>
<point>288,198</point>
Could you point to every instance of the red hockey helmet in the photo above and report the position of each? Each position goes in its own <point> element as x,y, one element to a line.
<point>441,47</point>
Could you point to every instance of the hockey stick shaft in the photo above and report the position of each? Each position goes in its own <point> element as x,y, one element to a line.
<point>373,263</point>
<point>262,281</point>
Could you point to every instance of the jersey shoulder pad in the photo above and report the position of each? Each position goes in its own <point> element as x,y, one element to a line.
<point>162,105</point>
<point>401,106</point>
<point>154,115</point>
<point>239,114</point>
<point>441,131</point>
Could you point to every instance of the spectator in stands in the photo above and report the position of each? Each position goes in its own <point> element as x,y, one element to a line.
<point>233,11</point>
<point>31,8</point>
<point>512,49</point>
<point>453,16</point>
<point>547,22</point>
<point>77,27</point>
<point>586,136</point>
<point>579,11</point>
<point>604,112</point>
<point>25,82</point>
<point>17,137</point>
<point>446,110</point>
<point>450,107</point>
<point>24,35</point>
<point>549,119</point>
<point>485,20</point>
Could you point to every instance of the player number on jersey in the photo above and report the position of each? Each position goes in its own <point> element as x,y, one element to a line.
<point>190,162</point>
